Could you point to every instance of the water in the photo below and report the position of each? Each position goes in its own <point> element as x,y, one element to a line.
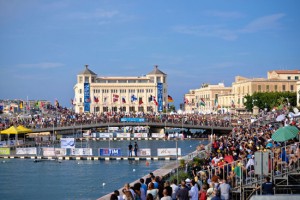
<point>73,179</point>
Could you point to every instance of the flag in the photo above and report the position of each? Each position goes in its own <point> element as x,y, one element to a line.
<point>154,100</point>
<point>41,104</point>
<point>1,106</point>
<point>123,100</point>
<point>21,105</point>
<point>96,99</point>
<point>232,104</point>
<point>140,101</point>
<point>36,104</point>
<point>27,106</point>
<point>170,99</point>
<point>115,97</point>
<point>202,102</point>
<point>186,101</point>
<point>133,98</point>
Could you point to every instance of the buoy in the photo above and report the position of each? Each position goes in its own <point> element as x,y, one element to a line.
<point>190,145</point>
<point>103,184</point>
<point>3,161</point>
<point>133,170</point>
<point>147,163</point>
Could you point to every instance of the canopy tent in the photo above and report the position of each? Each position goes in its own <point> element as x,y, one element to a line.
<point>285,133</point>
<point>11,130</point>
<point>23,129</point>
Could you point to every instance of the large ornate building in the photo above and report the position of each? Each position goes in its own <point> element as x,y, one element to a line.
<point>234,97</point>
<point>146,93</point>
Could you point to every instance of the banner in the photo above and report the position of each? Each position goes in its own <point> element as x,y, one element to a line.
<point>140,135</point>
<point>132,119</point>
<point>81,152</point>
<point>168,152</point>
<point>106,135</point>
<point>2,143</point>
<point>5,151</point>
<point>158,135</point>
<point>26,151</point>
<point>54,151</point>
<point>67,143</point>
<point>87,98</point>
<point>144,152</point>
<point>123,135</point>
<point>160,96</point>
<point>110,152</point>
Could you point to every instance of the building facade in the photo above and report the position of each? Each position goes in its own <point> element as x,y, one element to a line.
<point>95,94</point>
<point>276,81</point>
<point>205,99</point>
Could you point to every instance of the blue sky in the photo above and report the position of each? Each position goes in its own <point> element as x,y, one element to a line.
<point>45,44</point>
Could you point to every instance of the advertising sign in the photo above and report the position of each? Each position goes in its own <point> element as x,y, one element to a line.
<point>54,151</point>
<point>81,152</point>
<point>123,135</point>
<point>158,135</point>
<point>106,135</point>
<point>2,143</point>
<point>110,152</point>
<point>144,152</point>
<point>168,152</point>
<point>160,96</point>
<point>4,151</point>
<point>132,119</point>
<point>67,143</point>
<point>87,98</point>
<point>26,151</point>
<point>140,135</point>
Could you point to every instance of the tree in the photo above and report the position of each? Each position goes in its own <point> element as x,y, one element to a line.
<point>270,100</point>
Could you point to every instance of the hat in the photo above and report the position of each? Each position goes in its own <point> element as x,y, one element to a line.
<point>187,180</point>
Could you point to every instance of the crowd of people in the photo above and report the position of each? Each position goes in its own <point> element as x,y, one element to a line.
<point>229,164</point>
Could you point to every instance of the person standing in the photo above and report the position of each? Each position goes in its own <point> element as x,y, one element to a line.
<point>166,195</point>
<point>130,149</point>
<point>136,147</point>
<point>183,192</point>
<point>267,187</point>
<point>224,190</point>
<point>193,193</point>
<point>174,188</point>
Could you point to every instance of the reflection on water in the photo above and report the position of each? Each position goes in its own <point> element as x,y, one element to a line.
<point>77,179</point>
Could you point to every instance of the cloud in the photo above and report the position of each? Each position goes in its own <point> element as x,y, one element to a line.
<point>42,65</point>
<point>207,31</point>
<point>268,22</point>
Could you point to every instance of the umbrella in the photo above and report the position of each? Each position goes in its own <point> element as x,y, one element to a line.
<point>280,118</point>
<point>285,133</point>
<point>23,129</point>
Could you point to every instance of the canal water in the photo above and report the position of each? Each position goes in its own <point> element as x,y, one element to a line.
<point>79,179</point>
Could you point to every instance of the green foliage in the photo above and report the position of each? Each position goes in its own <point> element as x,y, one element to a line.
<point>181,176</point>
<point>270,100</point>
<point>198,161</point>
<point>182,163</point>
<point>172,108</point>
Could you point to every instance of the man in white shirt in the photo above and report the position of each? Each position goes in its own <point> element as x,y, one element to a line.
<point>174,189</point>
<point>193,193</point>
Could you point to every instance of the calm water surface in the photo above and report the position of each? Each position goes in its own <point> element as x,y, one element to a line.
<point>47,180</point>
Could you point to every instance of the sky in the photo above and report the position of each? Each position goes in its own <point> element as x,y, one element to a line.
<point>45,44</point>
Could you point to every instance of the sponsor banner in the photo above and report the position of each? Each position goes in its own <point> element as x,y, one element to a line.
<point>144,152</point>
<point>11,142</point>
<point>140,135</point>
<point>158,135</point>
<point>106,135</point>
<point>2,143</point>
<point>81,152</point>
<point>87,98</point>
<point>132,119</point>
<point>5,151</point>
<point>67,143</point>
<point>26,151</point>
<point>110,152</point>
<point>168,152</point>
<point>113,129</point>
<point>86,134</point>
<point>160,96</point>
<point>54,151</point>
<point>123,135</point>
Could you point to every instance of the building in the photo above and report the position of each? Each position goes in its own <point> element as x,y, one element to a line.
<point>147,93</point>
<point>205,99</point>
<point>276,81</point>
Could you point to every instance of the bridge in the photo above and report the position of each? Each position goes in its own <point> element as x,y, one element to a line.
<point>153,127</point>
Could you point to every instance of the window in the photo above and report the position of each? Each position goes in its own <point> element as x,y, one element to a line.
<point>105,109</point>
<point>131,81</point>
<point>93,79</point>
<point>259,88</point>
<point>86,79</point>
<point>80,91</point>
<point>114,109</point>
<point>80,100</point>
<point>276,87</point>
<point>141,109</point>
<point>267,88</point>
<point>296,77</point>
<point>158,79</point>
<point>289,78</point>
<point>164,79</point>
<point>112,81</point>
<point>123,109</point>
<point>122,81</point>
<point>292,87</point>
<point>131,109</point>
<point>283,87</point>
<point>149,109</point>
<point>80,79</point>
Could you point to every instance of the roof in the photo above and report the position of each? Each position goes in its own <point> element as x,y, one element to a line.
<point>156,71</point>
<point>286,71</point>
<point>87,71</point>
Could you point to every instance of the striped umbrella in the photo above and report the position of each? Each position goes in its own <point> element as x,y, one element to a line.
<point>285,133</point>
